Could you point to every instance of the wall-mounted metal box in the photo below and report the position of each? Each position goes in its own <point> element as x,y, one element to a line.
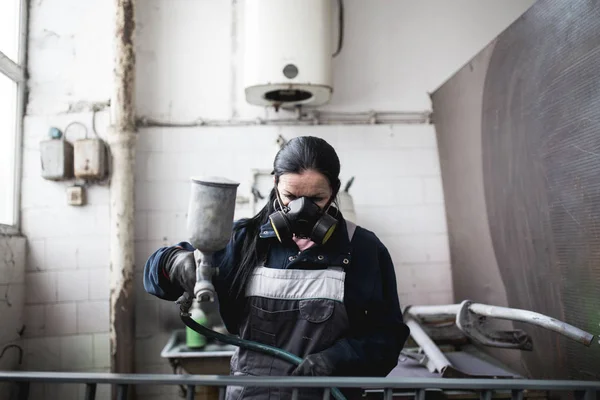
<point>56,156</point>
<point>90,159</point>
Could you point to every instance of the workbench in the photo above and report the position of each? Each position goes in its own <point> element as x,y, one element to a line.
<point>212,359</point>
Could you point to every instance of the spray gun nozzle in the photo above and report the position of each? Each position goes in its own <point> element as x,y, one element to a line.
<point>205,294</point>
<point>205,297</point>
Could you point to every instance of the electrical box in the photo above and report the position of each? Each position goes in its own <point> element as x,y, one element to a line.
<point>75,196</point>
<point>90,159</point>
<point>56,156</point>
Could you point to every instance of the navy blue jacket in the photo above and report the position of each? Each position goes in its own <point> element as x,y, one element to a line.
<point>377,332</point>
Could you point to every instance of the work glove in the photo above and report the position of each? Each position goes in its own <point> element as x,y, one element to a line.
<point>180,267</point>
<point>314,365</point>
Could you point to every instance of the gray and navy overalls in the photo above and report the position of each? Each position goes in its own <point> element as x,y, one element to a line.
<point>298,310</point>
<point>340,297</point>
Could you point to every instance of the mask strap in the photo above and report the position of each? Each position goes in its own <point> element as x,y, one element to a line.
<point>337,210</point>
<point>330,202</point>
<point>278,199</point>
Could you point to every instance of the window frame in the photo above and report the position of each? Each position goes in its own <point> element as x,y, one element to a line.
<point>16,71</point>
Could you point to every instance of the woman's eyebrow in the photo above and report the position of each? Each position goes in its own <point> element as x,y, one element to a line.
<point>319,193</point>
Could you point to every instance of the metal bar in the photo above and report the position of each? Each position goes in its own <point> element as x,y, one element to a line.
<point>585,394</point>
<point>327,394</point>
<point>442,311</point>
<point>513,314</point>
<point>21,104</point>
<point>294,394</point>
<point>23,32</point>
<point>299,382</point>
<point>190,392</point>
<point>388,394</point>
<point>90,391</point>
<point>516,395</point>
<point>222,393</point>
<point>315,118</point>
<point>486,395</point>
<point>435,355</point>
<point>11,69</point>
<point>420,394</point>
<point>122,392</point>
<point>534,318</point>
<point>23,391</point>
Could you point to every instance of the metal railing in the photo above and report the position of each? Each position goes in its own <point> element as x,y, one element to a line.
<point>386,388</point>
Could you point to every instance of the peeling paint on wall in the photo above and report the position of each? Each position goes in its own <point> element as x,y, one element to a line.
<point>12,295</point>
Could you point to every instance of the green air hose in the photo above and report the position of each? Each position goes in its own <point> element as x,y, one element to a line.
<point>250,345</point>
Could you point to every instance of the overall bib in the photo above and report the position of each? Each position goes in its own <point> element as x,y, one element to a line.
<point>300,311</point>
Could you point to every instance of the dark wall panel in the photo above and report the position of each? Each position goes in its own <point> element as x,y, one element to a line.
<point>539,139</point>
<point>457,115</point>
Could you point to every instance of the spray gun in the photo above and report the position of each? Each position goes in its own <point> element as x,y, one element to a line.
<point>210,225</point>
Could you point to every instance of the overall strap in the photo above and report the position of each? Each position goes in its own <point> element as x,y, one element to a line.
<point>351,228</point>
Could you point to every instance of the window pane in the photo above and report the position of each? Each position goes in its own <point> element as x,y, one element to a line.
<point>9,28</point>
<point>8,128</point>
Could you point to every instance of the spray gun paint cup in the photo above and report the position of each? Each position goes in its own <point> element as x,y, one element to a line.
<point>210,225</point>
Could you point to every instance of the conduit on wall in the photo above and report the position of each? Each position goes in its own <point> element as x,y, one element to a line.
<point>122,138</point>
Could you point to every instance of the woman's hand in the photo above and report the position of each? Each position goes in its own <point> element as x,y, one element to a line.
<point>314,365</point>
<point>181,270</point>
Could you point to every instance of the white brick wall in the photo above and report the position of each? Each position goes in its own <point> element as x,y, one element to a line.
<point>405,50</point>
<point>12,299</point>
<point>394,194</point>
<point>397,189</point>
<point>70,54</point>
<point>188,67</point>
<point>66,278</point>
<point>61,319</point>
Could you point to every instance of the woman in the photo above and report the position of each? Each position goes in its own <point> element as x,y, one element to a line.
<point>299,277</point>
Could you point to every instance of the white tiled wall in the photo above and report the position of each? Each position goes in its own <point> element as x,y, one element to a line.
<point>395,194</point>
<point>392,197</point>
<point>12,293</point>
<point>188,67</point>
<point>66,277</point>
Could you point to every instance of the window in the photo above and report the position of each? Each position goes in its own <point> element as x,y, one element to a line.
<point>12,97</point>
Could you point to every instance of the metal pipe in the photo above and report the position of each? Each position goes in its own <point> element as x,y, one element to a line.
<point>299,382</point>
<point>121,138</point>
<point>23,391</point>
<point>433,353</point>
<point>534,318</point>
<point>122,392</point>
<point>90,391</point>
<point>313,118</point>
<point>430,313</point>
<point>21,106</point>
<point>11,69</point>
<point>190,392</point>
<point>442,311</point>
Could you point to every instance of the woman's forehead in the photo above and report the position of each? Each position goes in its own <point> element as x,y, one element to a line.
<point>307,182</point>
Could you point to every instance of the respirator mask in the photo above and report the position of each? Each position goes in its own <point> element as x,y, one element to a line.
<point>304,219</point>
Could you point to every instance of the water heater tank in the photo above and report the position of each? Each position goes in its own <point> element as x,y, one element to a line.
<point>288,52</point>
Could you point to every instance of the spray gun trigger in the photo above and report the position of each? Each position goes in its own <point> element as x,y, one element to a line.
<point>205,297</point>
<point>185,303</point>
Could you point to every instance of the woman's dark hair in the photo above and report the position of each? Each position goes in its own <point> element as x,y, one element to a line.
<point>296,156</point>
